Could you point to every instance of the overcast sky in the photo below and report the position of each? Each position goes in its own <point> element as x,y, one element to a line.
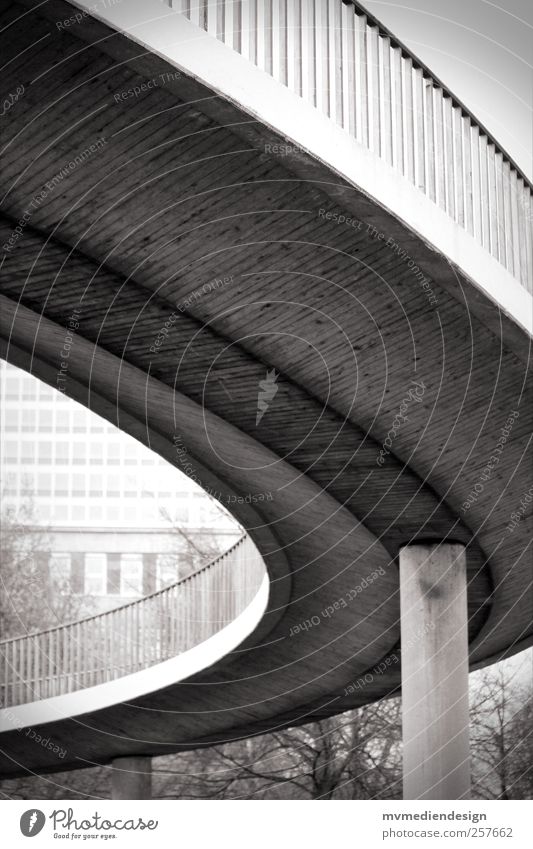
<point>483,51</point>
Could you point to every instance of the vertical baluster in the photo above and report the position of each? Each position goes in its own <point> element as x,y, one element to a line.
<point>64,659</point>
<point>22,659</point>
<point>237,24</point>
<point>13,672</point>
<point>500,208</point>
<point>347,68</point>
<point>277,47</point>
<point>194,12</point>
<point>507,206</point>
<point>4,682</point>
<point>493,208</point>
<point>476,184</point>
<point>524,235</point>
<point>321,53</point>
<point>361,82</point>
<point>178,612</point>
<point>385,97</point>
<point>409,119</point>
<point>372,40</point>
<point>229,23</point>
<point>420,145</point>
<point>293,7</point>
<point>467,165</point>
<point>212,17</point>
<point>397,108</point>
<point>457,116</point>
<point>142,634</point>
<point>221,22</point>
<point>440,148</point>
<point>333,60</point>
<point>78,657</point>
<point>50,685</point>
<point>485,206</point>
<point>449,157</point>
<point>528,225</point>
<point>305,10</point>
<point>269,36</point>
<point>261,36</point>
<point>430,140</point>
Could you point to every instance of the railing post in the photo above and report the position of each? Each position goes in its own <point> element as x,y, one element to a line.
<point>434,671</point>
<point>131,778</point>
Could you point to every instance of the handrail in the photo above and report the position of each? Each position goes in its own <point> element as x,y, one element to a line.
<point>428,73</point>
<point>131,637</point>
<point>128,603</point>
<point>346,63</point>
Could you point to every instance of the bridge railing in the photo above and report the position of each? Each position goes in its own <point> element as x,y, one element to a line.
<point>344,62</point>
<point>132,637</point>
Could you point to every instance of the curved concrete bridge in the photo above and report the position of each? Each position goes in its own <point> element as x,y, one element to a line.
<point>265,241</point>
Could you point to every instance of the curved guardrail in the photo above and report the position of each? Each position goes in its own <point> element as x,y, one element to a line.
<point>336,56</point>
<point>132,637</point>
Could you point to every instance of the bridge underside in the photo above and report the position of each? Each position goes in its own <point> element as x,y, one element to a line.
<point>185,191</point>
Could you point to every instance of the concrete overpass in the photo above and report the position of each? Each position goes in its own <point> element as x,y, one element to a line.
<point>218,211</point>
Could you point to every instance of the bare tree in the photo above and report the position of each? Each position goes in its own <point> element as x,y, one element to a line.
<point>32,598</point>
<point>502,737</point>
<point>352,756</point>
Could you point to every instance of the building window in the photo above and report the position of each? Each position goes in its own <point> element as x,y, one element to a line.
<point>45,421</point>
<point>44,484</point>
<point>79,453</point>
<point>131,575</point>
<point>80,423</point>
<point>96,484</point>
<point>131,454</point>
<point>28,420</point>
<point>78,512</point>
<point>112,514</point>
<point>62,421</point>
<point>29,389</point>
<point>77,572</point>
<point>113,486</point>
<point>62,453</point>
<point>61,485</point>
<point>59,514</point>
<point>113,453</point>
<point>11,452</point>
<point>12,388</point>
<point>10,484</point>
<point>45,452</point>
<point>78,485</point>
<point>45,392</point>
<point>28,452</point>
<point>96,453</point>
<point>95,574</point>
<point>180,506</point>
<point>60,571</point>
<point>12,420</point>
<point>113,574</point>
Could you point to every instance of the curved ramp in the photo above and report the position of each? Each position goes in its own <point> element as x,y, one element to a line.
<point>262,216</point>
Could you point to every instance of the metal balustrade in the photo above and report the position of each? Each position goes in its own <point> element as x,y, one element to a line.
<point>339,58</point>
<point>132,637</point>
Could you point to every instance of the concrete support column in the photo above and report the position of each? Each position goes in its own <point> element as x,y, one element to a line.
<point>434,653</point>
<point>131,778</point>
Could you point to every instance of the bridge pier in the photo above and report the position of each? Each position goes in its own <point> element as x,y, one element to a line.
<point>436,760</point>
<point>131,778</point>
